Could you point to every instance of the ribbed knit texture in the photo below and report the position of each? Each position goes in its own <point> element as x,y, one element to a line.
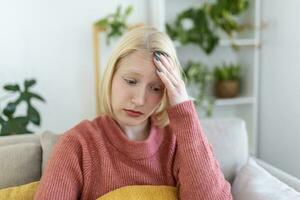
<point>96,157</point>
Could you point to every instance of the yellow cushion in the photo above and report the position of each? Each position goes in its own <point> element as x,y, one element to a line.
<point>142,192</point>
<point>22,192</point>
<point>135,192</point>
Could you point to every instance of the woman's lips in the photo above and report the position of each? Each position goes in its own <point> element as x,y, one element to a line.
<point>133,113</point>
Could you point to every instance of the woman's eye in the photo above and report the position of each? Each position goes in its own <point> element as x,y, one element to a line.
<point>130,82</point>
<point>156,89</point>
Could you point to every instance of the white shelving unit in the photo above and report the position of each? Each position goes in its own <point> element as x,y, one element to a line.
<point>244,106</point>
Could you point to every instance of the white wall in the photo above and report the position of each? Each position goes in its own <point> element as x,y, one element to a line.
<point>52,42</point>
<point>279,141</point>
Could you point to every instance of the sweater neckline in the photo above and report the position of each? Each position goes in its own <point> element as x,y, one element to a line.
<point>131,148</point>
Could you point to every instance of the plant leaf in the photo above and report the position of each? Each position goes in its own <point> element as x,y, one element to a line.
<point>118,12</point>
<point>29,83</point>
<point>33,115</point>
<point>128,10</point>
<point>13,88</point>
<point>10,109</point>
<point>1,120</point>
<point>102,23</point>
<point>36,96</point>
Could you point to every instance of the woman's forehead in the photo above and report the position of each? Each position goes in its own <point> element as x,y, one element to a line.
<point>139,56</point>
<point>139,64</point>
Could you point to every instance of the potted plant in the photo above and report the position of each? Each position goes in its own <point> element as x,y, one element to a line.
<point>115,24</point>
<point>227,80</point>
<point>200,25</point>
<point>11,124</point>
<point>199,77</point>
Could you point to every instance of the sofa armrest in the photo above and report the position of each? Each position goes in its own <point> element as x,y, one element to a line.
<point>281,175</point>
<point>16,139</point>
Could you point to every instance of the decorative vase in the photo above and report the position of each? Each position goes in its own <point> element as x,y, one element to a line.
<point>227,89</point>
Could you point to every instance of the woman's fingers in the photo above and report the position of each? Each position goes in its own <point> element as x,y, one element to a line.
<point>174,84</point>
<point>169,85</point>
<point>161,67</point>
<point>166,61</point>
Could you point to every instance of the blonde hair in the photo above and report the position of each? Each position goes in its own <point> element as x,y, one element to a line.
<point>141,38</point>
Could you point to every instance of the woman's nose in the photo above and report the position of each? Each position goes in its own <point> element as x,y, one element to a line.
<point>139,97</point>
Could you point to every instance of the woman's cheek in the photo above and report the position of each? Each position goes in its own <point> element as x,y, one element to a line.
<point>155,99</point>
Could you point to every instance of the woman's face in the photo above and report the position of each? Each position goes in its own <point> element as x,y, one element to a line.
<point>136,87</point>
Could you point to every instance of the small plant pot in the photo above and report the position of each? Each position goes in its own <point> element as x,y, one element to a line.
<point>227,89</point>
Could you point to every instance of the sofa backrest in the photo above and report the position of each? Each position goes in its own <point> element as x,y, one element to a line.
<point>227,136</point>
<point>15,139</point>
<point>229,139</point>
<point>23,157</point>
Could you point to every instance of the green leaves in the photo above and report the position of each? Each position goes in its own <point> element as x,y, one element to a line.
<point>223,14</point>
<point>115,24</point>
<point>11,88</point>
<point>128,11</point>
<point>35,96</point>
<point>227,72</point>
<point>15,126</point>
<point>9,109</point>
<point>102,23</point>
<point>206,20</point>
<point>200,33</point>
<point>235,7</point>
<point>33,115</point>
<point>198,74</point>
<point>18,125</point>
<point>28,83</point>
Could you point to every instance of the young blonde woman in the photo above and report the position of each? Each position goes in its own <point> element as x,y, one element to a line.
<point>148,133</point>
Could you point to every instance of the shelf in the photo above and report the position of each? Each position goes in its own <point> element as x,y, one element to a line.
<point>229,42</point>
<point>233,101</point>
<point>246,106</point>
<point>238,42</point>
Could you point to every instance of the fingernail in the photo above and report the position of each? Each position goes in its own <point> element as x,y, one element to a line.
<point>165,54</point>
<point>158,71</point>
<point>156,57</point>
<point>158,68</point>
<point>158,53</point>
<point>162,53</point>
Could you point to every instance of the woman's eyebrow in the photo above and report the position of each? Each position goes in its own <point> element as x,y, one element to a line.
<point>133,72</point>
<point>127,72</point>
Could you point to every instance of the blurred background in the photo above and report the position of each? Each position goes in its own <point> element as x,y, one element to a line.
<point>241,59</point>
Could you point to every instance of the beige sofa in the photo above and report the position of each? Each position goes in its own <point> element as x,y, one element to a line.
<point>23,157</point>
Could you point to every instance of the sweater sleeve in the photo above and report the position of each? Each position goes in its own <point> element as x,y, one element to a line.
<point>62,178</point>
<point>197,171</point>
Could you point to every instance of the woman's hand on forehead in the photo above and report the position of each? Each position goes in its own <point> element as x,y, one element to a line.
<point>176,90</point>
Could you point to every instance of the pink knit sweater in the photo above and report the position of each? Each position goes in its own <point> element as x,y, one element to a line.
<point>95,157</point>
